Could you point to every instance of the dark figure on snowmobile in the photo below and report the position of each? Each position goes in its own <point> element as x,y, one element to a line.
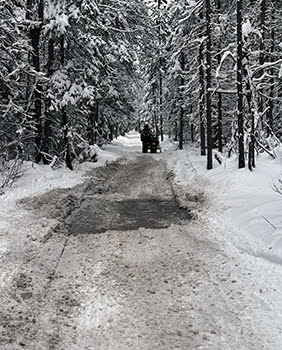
<point>146,136</point>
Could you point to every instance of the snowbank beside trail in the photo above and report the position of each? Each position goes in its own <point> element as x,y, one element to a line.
<point>38,179</point>
<point>247,200</point>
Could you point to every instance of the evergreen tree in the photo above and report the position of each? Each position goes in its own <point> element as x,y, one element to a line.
<point>15,123</point>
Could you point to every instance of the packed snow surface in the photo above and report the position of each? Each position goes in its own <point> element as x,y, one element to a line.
<point>213,282</point>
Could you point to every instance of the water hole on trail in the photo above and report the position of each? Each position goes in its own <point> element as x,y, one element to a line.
<point>97,216</point>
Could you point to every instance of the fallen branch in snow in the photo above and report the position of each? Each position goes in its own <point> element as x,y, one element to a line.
<point>265,149</point>
<point>268,221</point>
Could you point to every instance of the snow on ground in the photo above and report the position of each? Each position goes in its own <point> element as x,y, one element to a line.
<point>37,179</point>
<point>247,199</point>
<point>243,207</point>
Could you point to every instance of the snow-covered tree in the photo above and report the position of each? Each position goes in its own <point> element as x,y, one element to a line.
<point>15,123</point>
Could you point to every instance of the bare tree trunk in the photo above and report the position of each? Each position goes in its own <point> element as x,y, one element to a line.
<point>201,103</point>
<point>251,155</point>
<point>208,86</point>
<point>175,131</point>
<point>64,118</point>
<point>35,33</point>
<point>181,119</point>
<point>192,127</point>
<point>46,141</point>
<point>92,124</point>
<point>262,53</point>
<point>219,95</point>
<point>219,121</point>
<point>271,93</point>
<point>160,76</point>
<point>240,86</point>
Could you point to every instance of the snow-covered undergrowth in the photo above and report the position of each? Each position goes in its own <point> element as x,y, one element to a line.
<point>248,201</point>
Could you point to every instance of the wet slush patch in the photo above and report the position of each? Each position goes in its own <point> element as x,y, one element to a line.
<point>97,216</point>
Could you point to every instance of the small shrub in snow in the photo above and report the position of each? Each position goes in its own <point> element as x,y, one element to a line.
<point>89,153</point>
<point>278,186</point>
<point>10,170</point>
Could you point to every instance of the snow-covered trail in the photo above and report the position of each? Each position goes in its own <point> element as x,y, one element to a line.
<point>173,287</point>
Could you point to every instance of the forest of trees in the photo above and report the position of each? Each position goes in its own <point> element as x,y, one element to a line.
<point>77,73</point>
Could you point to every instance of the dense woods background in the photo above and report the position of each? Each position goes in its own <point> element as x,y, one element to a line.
<point>77,73</point>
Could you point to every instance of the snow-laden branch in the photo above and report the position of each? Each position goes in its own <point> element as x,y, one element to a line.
<point>194,9</point>
<point>268,65</point>
<point>223,58</point>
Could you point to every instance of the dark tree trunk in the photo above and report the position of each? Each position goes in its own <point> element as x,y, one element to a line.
<point>208,86</point>
<point>35,32</point>
<point>219,121</point>
<point>181,128</point>
<point>92,124</point>
<point>251,155</point>
<point>116,131</point>
<point>240,86</point>
<point>47,133</point>
<point>160,75</point>
<point>156,122</point>
<point>175,131</point>
<point>192,133</point>
<point>96,121</point>
<point>111,127</point>
<point>161,106</point>
<point>192,126</point>
<point>271,92</point>
<point>219,95</point>
<point>251,160</point>
<point>181,119</point>
<point>202,99</point>
<point>64,118</point>
<point>262,46</point>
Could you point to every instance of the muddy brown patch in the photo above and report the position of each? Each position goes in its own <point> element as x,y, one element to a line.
<point>96,216</point>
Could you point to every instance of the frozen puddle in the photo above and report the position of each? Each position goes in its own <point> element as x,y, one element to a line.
<point>97,216</point>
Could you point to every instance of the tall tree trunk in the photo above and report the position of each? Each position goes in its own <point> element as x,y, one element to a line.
<point>92,124</point>
<point>181,119</point>
<point>160,74</point>
<point>202,98</point>
<point>161,104</point>
<point>46,142</point>
<point>64,118</point>
<point>251,159</point>
<point>219,121</point>
<point>181,128</point>
<point>192,133</point>
<point>208,86</point>
<point>35,33</point>
<point>96,121</point>
<point>192,126</point>
<point>175,131</point>
<point>262,46</point>
<point>271,92</point>
<point>240,117</point>
<point>249,96</point>
<point>219,95</point>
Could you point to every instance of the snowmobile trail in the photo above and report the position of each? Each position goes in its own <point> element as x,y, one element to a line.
<point>128,269</point>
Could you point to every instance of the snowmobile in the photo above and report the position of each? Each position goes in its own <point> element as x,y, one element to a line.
<point>155,144</point>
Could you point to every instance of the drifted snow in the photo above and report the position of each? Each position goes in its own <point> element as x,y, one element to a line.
<point>214,283</point>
